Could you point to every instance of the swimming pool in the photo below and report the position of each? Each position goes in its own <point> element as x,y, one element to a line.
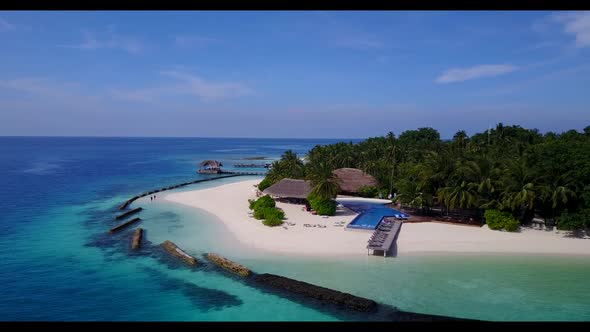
<point>370,214</point>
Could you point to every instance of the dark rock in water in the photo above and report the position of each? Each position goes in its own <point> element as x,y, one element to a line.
<point>316,292</point>
<point>228,265</point>
<point>136,240</point>
<point>174,250</point>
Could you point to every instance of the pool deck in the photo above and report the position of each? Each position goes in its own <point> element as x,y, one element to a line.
<point>390,237</point>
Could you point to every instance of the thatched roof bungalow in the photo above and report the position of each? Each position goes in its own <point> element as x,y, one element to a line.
<point>353,179</point>
<point>289,188</point>
<point>209,167</point>
<point>213,164</point>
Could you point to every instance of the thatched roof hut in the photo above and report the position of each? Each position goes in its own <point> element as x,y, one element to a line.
<point>289,188</point>
<point>352,179</point>
<point>210,164</point>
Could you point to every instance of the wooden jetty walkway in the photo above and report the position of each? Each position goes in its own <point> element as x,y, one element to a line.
<point>252,165</point>
<point>384,236</point>
<point>123,225</point>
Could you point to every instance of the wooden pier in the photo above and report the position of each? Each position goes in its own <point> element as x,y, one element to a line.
<point>128,213</point>
<point>384,237</point>
<point>177,252</point>
<point>123,225</point>
<point>267,165</point>
<point>136,240</point>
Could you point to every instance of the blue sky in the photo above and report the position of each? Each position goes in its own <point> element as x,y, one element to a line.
<point>342,74</point>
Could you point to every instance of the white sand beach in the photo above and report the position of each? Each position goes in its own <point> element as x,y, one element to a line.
<point>229,203</point>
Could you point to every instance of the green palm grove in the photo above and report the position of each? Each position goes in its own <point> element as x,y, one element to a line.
<point>508,168</point>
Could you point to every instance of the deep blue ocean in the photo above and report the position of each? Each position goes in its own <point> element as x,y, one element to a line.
<point>59,195</point>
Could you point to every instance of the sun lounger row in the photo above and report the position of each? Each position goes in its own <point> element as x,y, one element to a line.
<point>316,225</point>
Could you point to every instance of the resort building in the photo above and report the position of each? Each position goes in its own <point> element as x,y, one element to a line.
<point>351,180</point>
<point>289,190</point>
<point>209,167</point>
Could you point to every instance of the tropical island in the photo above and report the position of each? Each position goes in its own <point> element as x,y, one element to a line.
<point>505,190</point>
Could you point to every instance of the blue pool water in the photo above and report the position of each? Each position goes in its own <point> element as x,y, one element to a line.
<point>370,214</point>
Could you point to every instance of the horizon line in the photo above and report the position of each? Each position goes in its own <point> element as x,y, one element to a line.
<point>235,137</point>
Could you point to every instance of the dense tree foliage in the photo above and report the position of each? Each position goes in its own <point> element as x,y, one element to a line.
<point>508,168</point>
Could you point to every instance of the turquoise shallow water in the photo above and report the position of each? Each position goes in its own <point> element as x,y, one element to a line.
<point>58,263</point>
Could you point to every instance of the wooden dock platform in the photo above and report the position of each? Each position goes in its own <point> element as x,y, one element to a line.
<point>387,236</point>
<point>123,225</point>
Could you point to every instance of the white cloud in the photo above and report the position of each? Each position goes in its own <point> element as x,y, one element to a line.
<point>186,84</point>
<point>190,41</point>
<point>5,26</point>
<point>49,90</point>
<point>358,42</point>
<point>111,41</point>
<point>464,74</point>
<point>207,89</point>
<point>38,86</point>
<point>577,24</point>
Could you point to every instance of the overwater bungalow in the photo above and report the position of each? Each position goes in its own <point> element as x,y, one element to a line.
<point>210,167</point>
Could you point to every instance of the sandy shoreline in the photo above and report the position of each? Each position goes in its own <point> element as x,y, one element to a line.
<point>229,203</point>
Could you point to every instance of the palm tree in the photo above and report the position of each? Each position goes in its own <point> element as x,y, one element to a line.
<point>324,184</point>
<point>463,196</point>
<point>391,149</point>
<point>522,187</point>
<point>460,139</point>
<point>291,165</point>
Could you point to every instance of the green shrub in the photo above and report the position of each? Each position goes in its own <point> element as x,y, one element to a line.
<point>500,220</point>
<point>262,202</point>
<point>322,207</point>
<point>259,213</point>
<point>272,221</point>
<point>574,221</point>
<point>265,183</point>
<point>368,191</point>
<point>273,213</point>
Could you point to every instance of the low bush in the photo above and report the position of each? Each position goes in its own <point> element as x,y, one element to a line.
<point>321,206</point>
<point>262,202</point>
<point>498,220</point>
<point>265,210</point>
<point>368,192</point>
<point>574,221</point>
<point>264,184</point>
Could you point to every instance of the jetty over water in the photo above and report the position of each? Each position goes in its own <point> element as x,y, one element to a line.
<point>384,236</point>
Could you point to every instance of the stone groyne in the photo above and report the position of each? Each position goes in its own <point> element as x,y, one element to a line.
<point>174,250</point>
<point>123,225</point>
<point>322,294</point>
<point>128,213</point>
<point>228,265</point>
<point>136,239</point>
<point>134,198</point>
